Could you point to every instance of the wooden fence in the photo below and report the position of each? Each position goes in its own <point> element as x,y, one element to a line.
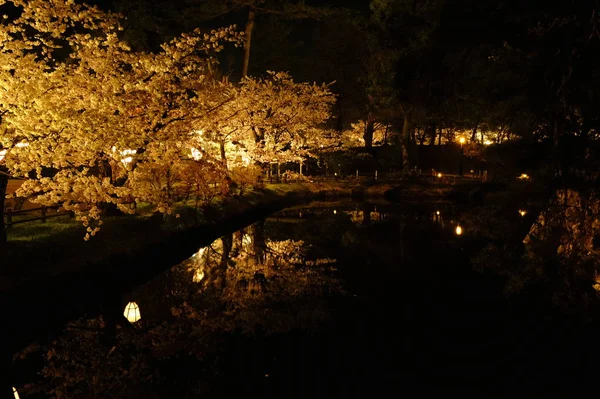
<point>45,212</point>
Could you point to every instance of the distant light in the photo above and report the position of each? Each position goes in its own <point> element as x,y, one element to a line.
<point>335,174</point>
<point>439,175</point>
<point>16,393</point>
<point>488,142</point>
<point>458,230</point>
<point>196,154</point>
<point>335,212</point>
<point>461,140</point>
<point>132,312</point>
<point>524,176</point>
<point>522,212</point>
<point>437,213</point>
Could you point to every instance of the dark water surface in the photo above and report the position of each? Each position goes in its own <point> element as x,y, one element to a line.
<point>324,300</point>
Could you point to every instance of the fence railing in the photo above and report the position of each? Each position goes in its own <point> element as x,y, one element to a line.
<point>45,212</point>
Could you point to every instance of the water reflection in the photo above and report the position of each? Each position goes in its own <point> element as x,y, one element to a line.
<point>269,279</point>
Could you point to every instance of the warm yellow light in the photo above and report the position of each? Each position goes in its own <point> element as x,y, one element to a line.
<point>127,160</point>
<point>16,393</point>
<point>132,312</point>
<point>524,176</point>
<point>196,154</point>
<point>2,154</point>
<point>198,276</point>
<point>522,212</point>
<point>488,142</point>
<point>335,212</point>
<point>22,144</point>
<point>437,213</point>
<point>458,230</point>
<point>439,175</point>
<point>461,140</point>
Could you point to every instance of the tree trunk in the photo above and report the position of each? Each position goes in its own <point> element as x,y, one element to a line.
<point>339,123</point>
<point>248,41</point>
<point>405,143</point>
<point>369,129</point>
<point>474,134</point>
<point>223,157</point>
<point>3,186</point>
<point>433,135</point>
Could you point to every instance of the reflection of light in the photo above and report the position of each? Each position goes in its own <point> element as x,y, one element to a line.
<point>2,154</point>
<point>458,230</point>
<point>198,276</point>
<point>439,175</point>
<point>132,312</point>
<point>524,176</point>
<point>16,393</point>
<point>522,212</point>
<point>196,154</point>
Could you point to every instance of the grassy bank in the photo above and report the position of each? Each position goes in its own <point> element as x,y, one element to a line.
<point>38,251</point>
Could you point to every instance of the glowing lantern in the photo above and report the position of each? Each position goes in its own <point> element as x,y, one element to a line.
<point>132,312</point>
<point>16,393</point>
<point>437,213</point>
<point>524,176</point>
<point>522,212</point>
<point>335,212</point>
<point>439,175</point>
<point>458,230</point>
<point>461,140</point>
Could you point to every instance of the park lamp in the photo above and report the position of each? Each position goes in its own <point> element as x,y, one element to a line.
<point>461,140</point>
<point>439,175</point>
<point>132,312</point>
<point>458,230</point>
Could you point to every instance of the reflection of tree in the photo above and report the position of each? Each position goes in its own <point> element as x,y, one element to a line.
<point>249,283</point>
<point>557,251</point>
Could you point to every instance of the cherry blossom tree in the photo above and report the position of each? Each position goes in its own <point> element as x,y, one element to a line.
<point>92,123</point>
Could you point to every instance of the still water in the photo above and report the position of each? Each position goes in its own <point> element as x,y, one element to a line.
<point>323,300</point>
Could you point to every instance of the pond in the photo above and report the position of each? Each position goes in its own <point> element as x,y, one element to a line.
<point>322,300</point>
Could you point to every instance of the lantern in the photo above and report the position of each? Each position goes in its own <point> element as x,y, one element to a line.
<point>132,312</point>
<point>458,230</point>
<point>16,393</point>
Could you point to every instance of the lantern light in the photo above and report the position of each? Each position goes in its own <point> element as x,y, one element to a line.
<point>524,176</point>
<point>132,312</point>
<point>437,213</point>
<point>16,393</point>
<point>461,140</point>
<point>522,212</point>
<point>439,175</point>
<point>458,230</point>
